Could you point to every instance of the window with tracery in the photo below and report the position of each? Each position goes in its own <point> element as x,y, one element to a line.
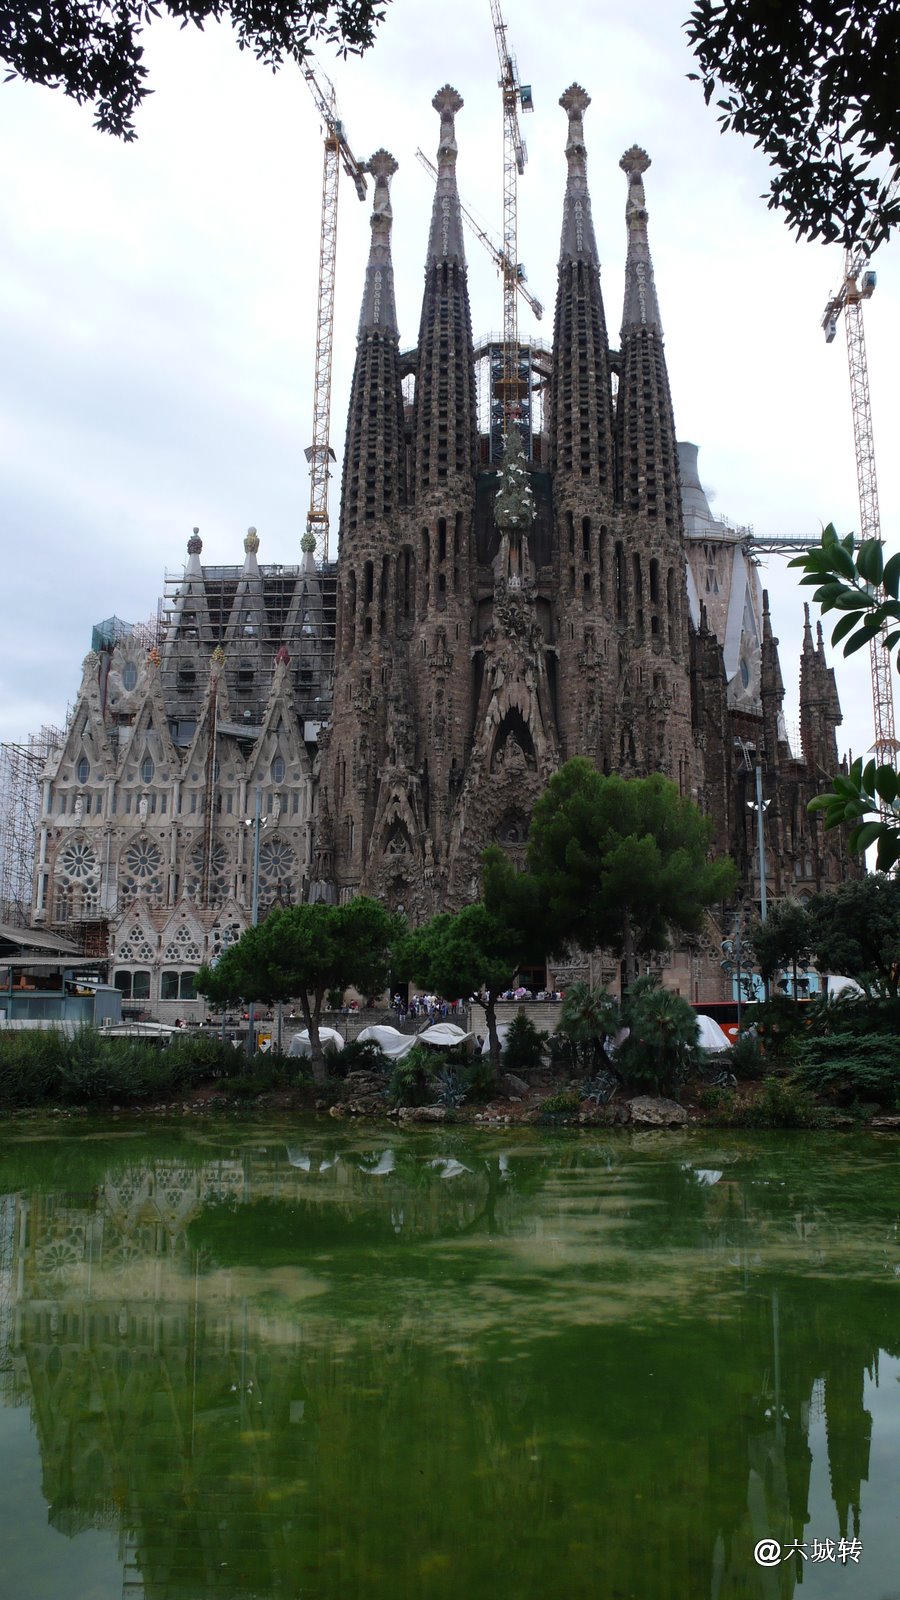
<point>182,947</point>
<point>77,862</point>
<point>277,864</point>
<point>141,869</point>
<point>219,884</point>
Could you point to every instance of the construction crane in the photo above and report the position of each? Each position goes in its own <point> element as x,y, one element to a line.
<point>337,154</point>
<point>516,96</point>
<point>858,285</point>
<point>493,249</point>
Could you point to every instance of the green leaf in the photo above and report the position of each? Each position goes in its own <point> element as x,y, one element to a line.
<point>886,784</point>
<point>890,578</point>
<point>862,837</point>
<point>870,561</point>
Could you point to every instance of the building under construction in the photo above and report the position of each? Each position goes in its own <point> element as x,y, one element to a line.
<point>514,586</point>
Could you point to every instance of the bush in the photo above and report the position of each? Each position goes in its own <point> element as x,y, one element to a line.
<point>410,1080</point>
<point>662,1044</point>
<point>524,1048</point>
<point>451,1091</point>
<point>715,1099</point>
<point>782,1105</point>
<point>360,1055</point>
<point>587,1019</point>
<point>746,1057</point>
<point>850,1066</point>
<point>30,1064</point>
<point>479,1079</point>
<point>562,1104</point>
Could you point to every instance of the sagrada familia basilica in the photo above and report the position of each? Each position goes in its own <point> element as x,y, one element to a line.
<point>497,606</point>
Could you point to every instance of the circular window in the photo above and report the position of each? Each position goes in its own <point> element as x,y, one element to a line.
<point>143,860</point>
<point>278,770</point>
<point>78,863</point>
<point>129,675</point>
<point>147,770</point>
<point>83,770</point>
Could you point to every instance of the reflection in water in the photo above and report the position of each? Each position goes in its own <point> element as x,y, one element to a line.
<point>442,1367</point>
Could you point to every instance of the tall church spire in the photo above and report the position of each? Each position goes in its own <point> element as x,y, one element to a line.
<point>581,429</point>
<point>445,415</point>
<point>647,456</point>
<point>373,461</point>
<point>379,313</point>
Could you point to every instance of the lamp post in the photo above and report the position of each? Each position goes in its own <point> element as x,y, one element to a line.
<point>759,806</point>
<point>257,823</point>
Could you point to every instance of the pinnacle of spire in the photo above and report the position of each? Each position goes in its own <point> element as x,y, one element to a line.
<point>446,240</point>
<point>641,306</point>
<point>578,228</point>
<point>193,568</point>
<point>807,632</point>
<point>379,312</point>
<point>251,546</point>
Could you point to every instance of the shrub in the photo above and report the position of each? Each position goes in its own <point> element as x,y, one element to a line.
<point>587,1019</point>
<point>451,1091</point>
<point>746,1057</point>
<point>410,1085</point>
<point>479,1079</point>
<point>524,1049</point>
<point>852,1065</point>
<point>562,1104</point>
<point>662,1044</point>
<point>715,1099</point>
<point>782,1105</point>
<point>30,1062</point>
<point>360,1055</point>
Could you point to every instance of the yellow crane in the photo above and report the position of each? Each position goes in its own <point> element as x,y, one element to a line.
<point>337,153</point>
<point>491,246</point>
<point>857,286</point>
<point>516,96</point>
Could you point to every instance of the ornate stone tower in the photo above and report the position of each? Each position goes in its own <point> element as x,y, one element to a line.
<point>493,623</point>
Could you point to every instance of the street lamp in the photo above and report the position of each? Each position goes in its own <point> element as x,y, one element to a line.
<point>759,805</point>
<point>257,822</point>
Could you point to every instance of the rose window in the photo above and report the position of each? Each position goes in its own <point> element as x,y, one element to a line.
<point>277,864</point>
<point>78,862</point>
<point>142,864</point>
<point>219,877</point>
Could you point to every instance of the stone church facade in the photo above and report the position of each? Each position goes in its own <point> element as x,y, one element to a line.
<point>486,620</point>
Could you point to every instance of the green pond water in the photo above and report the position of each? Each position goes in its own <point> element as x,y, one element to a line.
<point>324,1361</point>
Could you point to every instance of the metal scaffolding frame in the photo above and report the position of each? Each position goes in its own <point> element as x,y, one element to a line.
<point>21,767</point>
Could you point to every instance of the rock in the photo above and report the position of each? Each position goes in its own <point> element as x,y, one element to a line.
<point>516,1086</point>
<point>652,1111</point>
<point>423,1113</point>
<point>886,1124</point>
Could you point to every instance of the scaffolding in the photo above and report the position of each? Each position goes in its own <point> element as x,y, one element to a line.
<point>296,610</point>
<point>532,381</point>
<point>21,769</point>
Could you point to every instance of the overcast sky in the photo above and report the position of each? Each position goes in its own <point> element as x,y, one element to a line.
<point>158,302</point>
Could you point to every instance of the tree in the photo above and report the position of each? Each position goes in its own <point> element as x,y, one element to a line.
<point>301,952</point>
<point>785,937</point>
<point>621,863</point>
<point>858,582</point>
<point>814,84</point>
<point>461,953</point>
<point>855,931</point>
<point>92,49</point>
<point>481,948</point>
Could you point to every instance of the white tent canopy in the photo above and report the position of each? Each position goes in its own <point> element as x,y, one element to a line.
<point>329,1037</point>
<point>396,1044</point>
